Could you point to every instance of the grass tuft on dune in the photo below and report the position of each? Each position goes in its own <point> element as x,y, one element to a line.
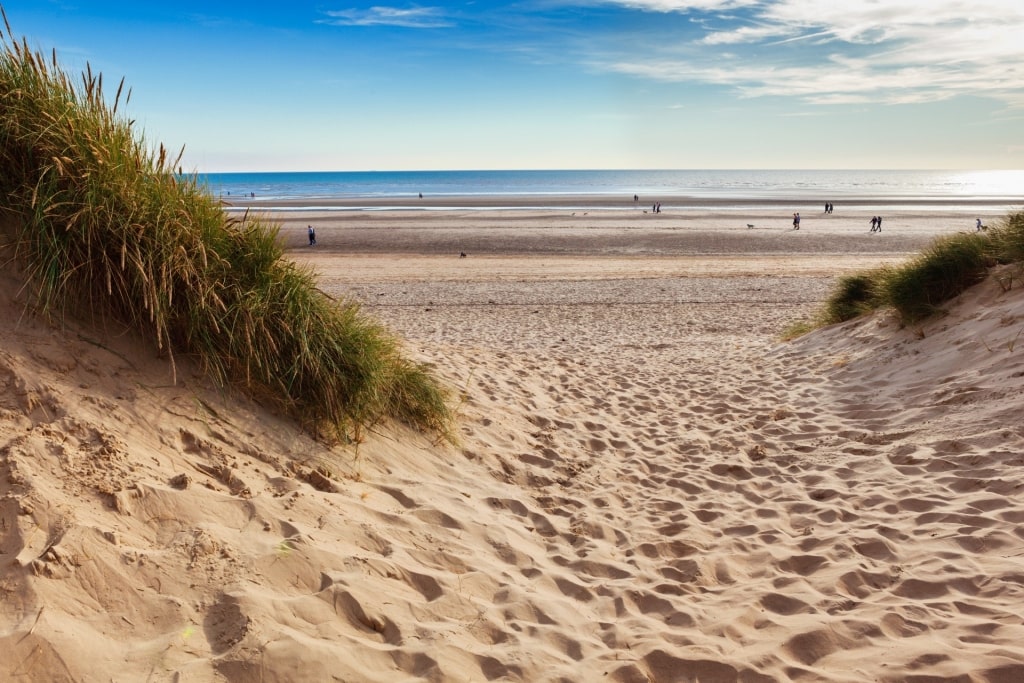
<point>105,222</point>
<point>918,288</point>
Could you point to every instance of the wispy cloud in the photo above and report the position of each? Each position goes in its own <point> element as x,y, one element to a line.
<point>895,51</point>
<point>406,17</point>
<point>744,35</point>
<point>682,5</point>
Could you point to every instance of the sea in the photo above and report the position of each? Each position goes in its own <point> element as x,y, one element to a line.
<point>722,186</point>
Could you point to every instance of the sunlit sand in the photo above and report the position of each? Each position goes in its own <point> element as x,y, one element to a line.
<point>649,485</point>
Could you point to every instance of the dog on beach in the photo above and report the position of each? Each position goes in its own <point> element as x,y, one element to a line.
<point>750,226</point>
<point>462,254</point>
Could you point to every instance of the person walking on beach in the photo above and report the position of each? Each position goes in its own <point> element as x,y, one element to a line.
<point>874,223</point>
<point>978,227</point>
<point>879,224</point>
<point>796,221</point>
<point>312,236</point>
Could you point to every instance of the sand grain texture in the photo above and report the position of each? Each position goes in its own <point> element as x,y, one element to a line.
<point>649,485</point>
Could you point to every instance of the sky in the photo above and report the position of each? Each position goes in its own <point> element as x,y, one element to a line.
<point>555,84</point>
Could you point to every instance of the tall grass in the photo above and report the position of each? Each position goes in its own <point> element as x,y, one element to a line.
<point>919,288</point>
<point>853,295</point>
<point>1008,239</point>
<point>944,270</point>
<point>106,222</point>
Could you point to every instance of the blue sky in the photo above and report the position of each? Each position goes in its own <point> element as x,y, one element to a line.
<point>341,85</point>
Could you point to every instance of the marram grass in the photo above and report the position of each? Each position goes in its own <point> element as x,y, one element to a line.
<point>918,288</point>
<point>944,270</point>
<point>105,222</point>
<point>853,296</point>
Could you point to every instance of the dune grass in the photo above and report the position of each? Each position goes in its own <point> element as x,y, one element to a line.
<point>105,222</point>
<point>944,270</point>
<point>853,296</point>
<point>1007,239</point>
<point>918,289</point>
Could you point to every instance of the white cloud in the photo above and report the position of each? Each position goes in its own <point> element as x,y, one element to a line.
<point>744,34</point>
<point>894,51</point>
<point>410,17</point>
<point>682,5</point>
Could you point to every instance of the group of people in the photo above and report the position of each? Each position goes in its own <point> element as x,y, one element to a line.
<point>828,207</point>
<point>655,208</point>
<point>796,221</point>
<point>876,224</point>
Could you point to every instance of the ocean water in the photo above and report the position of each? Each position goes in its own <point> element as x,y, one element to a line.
<point>817,185</point>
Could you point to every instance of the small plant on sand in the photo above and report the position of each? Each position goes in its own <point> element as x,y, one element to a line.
<point>1013,342</point>
<point>102,221</point>
<point>799,328</point>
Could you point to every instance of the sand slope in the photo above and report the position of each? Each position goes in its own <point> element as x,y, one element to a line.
<point>649,487</point>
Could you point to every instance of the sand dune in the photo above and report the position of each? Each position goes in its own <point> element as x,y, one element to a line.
<point>649,485</point>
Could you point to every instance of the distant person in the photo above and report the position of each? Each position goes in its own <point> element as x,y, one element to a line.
<point>312,236</point>
<point>978,227</point>
<point>421,195</point>
<point>879,224</point>
<point>636,198</point>
<point>796,221</point>
<point>874,223</point>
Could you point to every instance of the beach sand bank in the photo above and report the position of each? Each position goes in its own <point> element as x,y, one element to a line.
<point>649,484</point>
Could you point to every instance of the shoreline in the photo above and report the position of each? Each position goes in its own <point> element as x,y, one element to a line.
<point>539,202</point>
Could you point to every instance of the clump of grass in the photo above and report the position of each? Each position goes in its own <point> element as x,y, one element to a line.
<point>799,328</point>
<point>106,222</point>
<point>853,296</point>
<point>944,270</point>
<point>918,288</point>
<point>1008,239</point>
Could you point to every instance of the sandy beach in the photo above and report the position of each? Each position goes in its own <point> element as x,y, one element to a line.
<point>650,485</point>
